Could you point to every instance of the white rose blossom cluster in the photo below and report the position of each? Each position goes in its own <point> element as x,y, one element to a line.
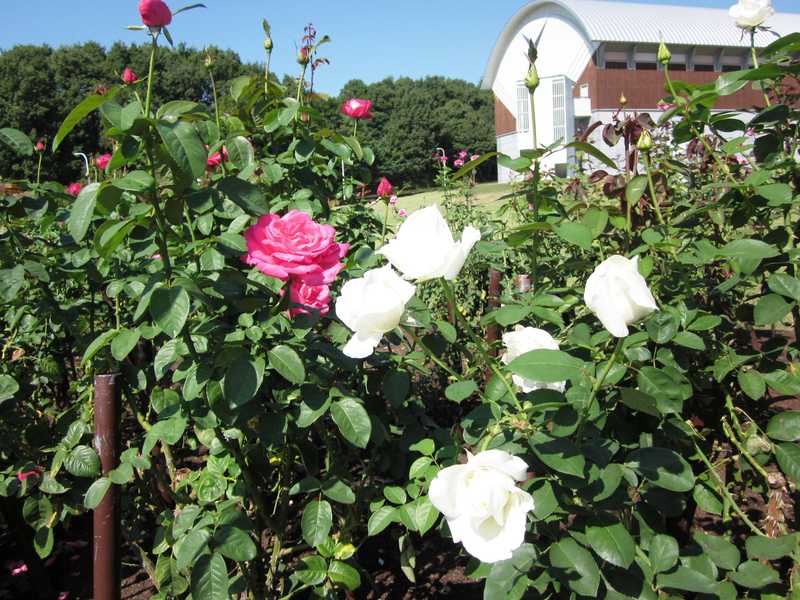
<point>423,249</point>
<point>481,501</point>
<point>750,14</point>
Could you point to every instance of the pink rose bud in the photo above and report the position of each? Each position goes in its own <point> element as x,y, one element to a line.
<point>402,213</point>
<point>18,568</point>
<point>393,200</point>
<point>316,297</point>
<point>40,146</point>
<point>129,77</point>
<point>294,245</point>
<point>750,132</point>
<point>442,159</point>
<point>458,163</point>
<point>23,475</point>
<point>475,157</point>
<point>156,256</point>
<point>463,154</point>
<point>357,108</point>
<point>217,158</point>
<point>73,189</point>
<point>102,161</point>
<point>385,188</point>
<point>155,13</point>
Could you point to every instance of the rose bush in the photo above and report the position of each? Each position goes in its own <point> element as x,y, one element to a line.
<point>612,446</point>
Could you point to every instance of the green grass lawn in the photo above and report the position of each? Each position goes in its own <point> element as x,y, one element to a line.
<point>485,195</point>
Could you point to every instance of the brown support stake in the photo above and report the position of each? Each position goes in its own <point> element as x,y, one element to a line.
<point>106,551</point>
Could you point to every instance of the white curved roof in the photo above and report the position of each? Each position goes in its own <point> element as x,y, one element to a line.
<point>628,22</point>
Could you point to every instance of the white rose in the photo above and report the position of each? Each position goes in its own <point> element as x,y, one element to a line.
<point>371,306</point>
<point>618,294</point>
<point>751,13</point>
<point>424,247</point>
<point>484,508</point>
<point>525,339</point>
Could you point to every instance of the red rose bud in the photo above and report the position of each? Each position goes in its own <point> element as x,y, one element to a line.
<point>40,146</point>
<point>302,56</point>
<point>129,77</point>
<point>155,13</point>
<point>73,189</point>
<point>385,188</point>
<point>356,108</point>
<point>102,161</point>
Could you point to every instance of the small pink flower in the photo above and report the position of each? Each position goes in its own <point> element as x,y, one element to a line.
<point>664,106</point>
<point>393,200</point>
<point>102,161</point>
<point>294,245</point>
<point>402,213</point>
<point>40,146</point>
<point>217,158</point>
<point>463,155</point>
<point>73,189</point>
<point>458,163</point>
<point>129,77</point>
<point>385,188</point>
<point>741,160</point>
<point>751,132</point>
<point>357,108</point>
<point>23,475</point>
<point>156,256</point>
<point>63,596</point>
<point>18,568</point>
<point>317,297</point>
<point>475,157</point>
<point>442,158</point>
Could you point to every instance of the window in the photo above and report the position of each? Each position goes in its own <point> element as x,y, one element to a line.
<point>677,66</point>
<point>559,111</point>
<point>646,66</point>
<point>523,109</point>
<point>705,68</point>
<point>728,68</point>
<point>584,90</point>
<point>616,64</point>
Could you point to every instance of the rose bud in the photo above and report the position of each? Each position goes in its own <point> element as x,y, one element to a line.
<point>385,188</point>
<point>155,13</point>
<point>129,77</point>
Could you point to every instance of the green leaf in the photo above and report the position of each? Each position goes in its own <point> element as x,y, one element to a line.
<point>190,547</point>
<point>234,543</point>
<point>338,491</point>
<point>612,543</point>
<point>559,454</point>
<point>460,390</point>
<point>640,401</point>
<point>577,234</point>
<point>124,342</point>
<point>770,309</point>
<point>752,383</point>
<point>419,515</point>
<point>395,494</point>
<point>82,211</point>
<point>748,249</point>
<point>687,339</point>
<point>777,194</point>
<point>184,146</point>
<point>169,308</point>
<point>316,522</point>
<point>592,151</point>
<point>86,107</point>
<point>663,467</point>
<point>785,285</point>
<point>210,578</point>
<point>8,387</point>
<point>684,578</point>
<point>96,492</point>
<point>785,426</point>
<point>520,165</point>
<point>98,343</point>
<point>661,327</point>
<point>343,574</point>
<point>764,548</point>
<point>314,570</point>
<point>788,457</point>
<point>17,141</point>
<point>286,362</point>
<point>243,378</point>
<point>82,461</point>
<point>721,551</point>
<point>380,520</point>
<point>510,314</point>
<point>548,366</point>
<point>136,181</point>
<point>245,195</point>
<point>635,189</point>
<point>352,420</point>
<point>567,555</point>
<point>755,575</point>
<point>663,553</point>
<point>240,152</point>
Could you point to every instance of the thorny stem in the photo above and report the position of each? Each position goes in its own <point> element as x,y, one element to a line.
<point>651,186</point>
<point>598,384</point>
<point>385,219</point>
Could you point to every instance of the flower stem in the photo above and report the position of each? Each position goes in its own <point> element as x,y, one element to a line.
<point>151,72</point>
<point>385,219</point>
<point>39,169</point>
<point>598,384</point>
<point>646,158</point>
<point>216,114</point>
<point>754,54</point>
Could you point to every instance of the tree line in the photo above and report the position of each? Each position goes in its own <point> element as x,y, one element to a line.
<point>39,85</point>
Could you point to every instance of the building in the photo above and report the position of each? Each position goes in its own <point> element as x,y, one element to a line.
<point>592,51</point>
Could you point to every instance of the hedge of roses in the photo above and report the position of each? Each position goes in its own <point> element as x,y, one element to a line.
<point>303,385</point>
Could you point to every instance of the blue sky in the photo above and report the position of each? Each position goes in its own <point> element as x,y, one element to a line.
<point>371,39</point>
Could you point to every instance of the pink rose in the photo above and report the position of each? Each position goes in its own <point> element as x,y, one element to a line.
<point>63,596</point>
<point>129,77</point>
<point>294,245</point>
<point>475,157</point>
<point>155,13</point>
<point>750,132</point>
<point>102,161</point>
<point>393,200</point>
<point>217,158</point>
<point>385,188</point>
<point>73,189</point>
<point>665,106</point>
<point>40,146</point>
<point>18,568</point>
<point>357,108</point>
<point>402,213</point>
<point>442,159</point>
<point>463,154</point>
<point>458,163</point>
<point>317,297</point>
<point>23,475</point>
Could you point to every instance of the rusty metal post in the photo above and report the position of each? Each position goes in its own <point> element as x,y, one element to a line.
<point>105,549</point>
<point>493,330</point>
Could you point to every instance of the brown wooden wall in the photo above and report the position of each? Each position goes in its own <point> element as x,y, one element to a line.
<point>504,120</point>
<point>644,89</point>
